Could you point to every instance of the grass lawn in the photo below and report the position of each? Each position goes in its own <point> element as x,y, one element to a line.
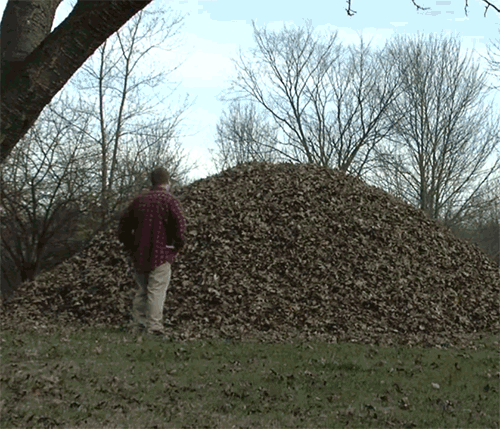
<point>109,379</point>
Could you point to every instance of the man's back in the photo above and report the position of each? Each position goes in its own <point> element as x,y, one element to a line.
<point>152,228</point>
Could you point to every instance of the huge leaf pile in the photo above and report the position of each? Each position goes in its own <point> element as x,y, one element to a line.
<point>281,252</point>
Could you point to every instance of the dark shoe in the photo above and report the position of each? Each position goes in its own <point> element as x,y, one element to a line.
<point>156,333</point>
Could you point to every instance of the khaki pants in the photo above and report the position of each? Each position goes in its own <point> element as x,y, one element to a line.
<point>149,299</point>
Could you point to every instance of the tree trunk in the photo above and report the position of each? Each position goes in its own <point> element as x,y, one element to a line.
<point>29,85</point>
<point>24,26</point>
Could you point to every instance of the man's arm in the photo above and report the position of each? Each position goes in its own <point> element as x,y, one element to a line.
<point>126,228</point>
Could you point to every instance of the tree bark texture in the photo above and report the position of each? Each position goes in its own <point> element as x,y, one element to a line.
<point>28,84</point>
<point>24,27</point>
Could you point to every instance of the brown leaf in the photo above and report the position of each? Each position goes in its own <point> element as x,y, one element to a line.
<point>283,252</point>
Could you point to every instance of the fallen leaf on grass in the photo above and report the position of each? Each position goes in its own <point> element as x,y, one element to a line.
<point>404,403</point>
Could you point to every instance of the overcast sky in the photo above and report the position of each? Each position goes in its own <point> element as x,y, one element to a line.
<point>214,30</point>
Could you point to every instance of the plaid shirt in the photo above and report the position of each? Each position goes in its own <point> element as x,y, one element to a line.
<point>152,229</point>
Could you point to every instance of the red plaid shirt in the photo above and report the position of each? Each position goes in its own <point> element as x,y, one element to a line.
<point>152,229</point>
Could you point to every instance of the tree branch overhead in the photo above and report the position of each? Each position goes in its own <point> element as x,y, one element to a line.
<point>419,7</point>
<point>29,85</point>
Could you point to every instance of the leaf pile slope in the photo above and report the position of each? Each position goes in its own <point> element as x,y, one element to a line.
<point>277,252</point>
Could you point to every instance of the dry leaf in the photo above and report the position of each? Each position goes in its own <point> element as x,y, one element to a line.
<point>286,252</point>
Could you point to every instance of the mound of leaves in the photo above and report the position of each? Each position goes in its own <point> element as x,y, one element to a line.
<point>283,252</point>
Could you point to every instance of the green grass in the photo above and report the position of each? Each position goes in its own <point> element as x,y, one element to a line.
<point>109,379</point>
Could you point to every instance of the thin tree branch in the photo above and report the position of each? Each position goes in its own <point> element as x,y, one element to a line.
<point>418,6</point>
<point>488,5</point>
<point>349,10</point>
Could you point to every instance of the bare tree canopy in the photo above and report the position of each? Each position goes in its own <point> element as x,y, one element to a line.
<point>444,146</point>
<point>36,63</point>
<point>42,190</point>
<point>493,59</point>
<point>244,134</point>
<point>118,88</point>
<point>328,100</point>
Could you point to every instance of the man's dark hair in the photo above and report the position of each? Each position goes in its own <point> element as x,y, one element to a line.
<point>160,176</point>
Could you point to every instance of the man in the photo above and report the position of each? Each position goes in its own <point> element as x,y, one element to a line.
<point>152,230</point>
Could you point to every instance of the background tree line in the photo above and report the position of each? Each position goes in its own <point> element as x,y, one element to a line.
<point>416,117</point>
<point>36,62</point>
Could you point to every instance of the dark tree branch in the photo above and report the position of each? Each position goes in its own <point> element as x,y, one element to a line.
<point>28,86</point>
<point>352,12</point>
<point>488,3</point>
<point>418,6</point>
<point>349,11</point>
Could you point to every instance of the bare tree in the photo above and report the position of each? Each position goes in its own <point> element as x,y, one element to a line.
<point>443,149</point>
<point>351,102</point>
<point>244,135</point>
<point>43,192</point>
<point>482,225</point>
<point>328,101</point>
<point>118,90</point>
<point>276,74</point>
<point>157,146</point>
<point>493,58</point>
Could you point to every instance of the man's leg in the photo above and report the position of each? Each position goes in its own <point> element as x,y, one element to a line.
<point>140,303</point>
<point>159,280</point>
